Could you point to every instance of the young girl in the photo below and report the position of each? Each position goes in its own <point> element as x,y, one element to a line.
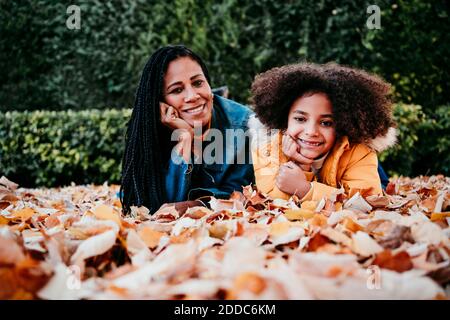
<point>332,121</point>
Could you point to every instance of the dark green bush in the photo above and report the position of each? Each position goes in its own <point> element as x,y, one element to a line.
<point>423,145</point>
<point>47,66</point>
<point>50,148</point>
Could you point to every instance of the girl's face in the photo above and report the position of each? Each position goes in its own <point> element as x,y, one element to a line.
<point>186,89</point>
<point>310,124</point>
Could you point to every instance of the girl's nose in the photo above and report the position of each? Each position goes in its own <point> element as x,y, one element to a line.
<point>191,95</point>
<point>311,129</point>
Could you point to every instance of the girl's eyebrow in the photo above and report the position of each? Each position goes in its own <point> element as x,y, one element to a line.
<point>307,114</point>
<point>179,82</point>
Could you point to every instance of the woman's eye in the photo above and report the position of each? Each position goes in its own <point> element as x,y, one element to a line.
<point>176,90</point>
<point>300,119</point>
<point>198,83</point>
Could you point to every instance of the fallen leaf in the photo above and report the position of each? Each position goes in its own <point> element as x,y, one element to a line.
<point>364,245</point>
<point>150,237</point>
<point>94,246</point>
<point>104,212</point>
<point>299,214</point>
<point>23,214</point>
<point>9,184</point>
<point>399,262</point>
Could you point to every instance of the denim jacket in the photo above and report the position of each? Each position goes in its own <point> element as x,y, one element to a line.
<point>230,166</point>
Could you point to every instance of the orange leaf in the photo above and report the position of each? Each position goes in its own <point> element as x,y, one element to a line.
<point>436,216</point>
<point>150,237</point>
<point>3,220</point>
<point>390,189</point>
<point>298,214</point>
<point>184,237</point>
<point>352,225</point>
<point>309,205</point>
<point>400,262</point>
<point>319,220</point>
<point>104,212</point>
<point>279,228</point>
<point>317,241</point>
<point>250,281</point>
<point>117,203</point>
<point>24,214</point>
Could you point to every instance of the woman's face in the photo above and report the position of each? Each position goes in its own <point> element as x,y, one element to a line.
<point>311,125</point>
<point>187,90</point>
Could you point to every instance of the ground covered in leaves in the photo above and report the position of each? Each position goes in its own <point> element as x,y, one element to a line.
<point>73,243</point>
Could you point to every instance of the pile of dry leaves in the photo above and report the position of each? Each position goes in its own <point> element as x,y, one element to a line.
<point>73,243</point>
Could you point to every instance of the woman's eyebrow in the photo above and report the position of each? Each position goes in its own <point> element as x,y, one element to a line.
<point>197,75</point>
<point>173,84</point>
<point>180,82</point>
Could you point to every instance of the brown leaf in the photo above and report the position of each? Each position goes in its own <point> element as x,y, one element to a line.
<point>400,262</point>
<point>317,241</point>
<point>390,188</point>
<point>9,184</point>
<point>10,251</point>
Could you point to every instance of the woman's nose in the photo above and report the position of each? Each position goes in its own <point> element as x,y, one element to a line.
<point>191,94</point>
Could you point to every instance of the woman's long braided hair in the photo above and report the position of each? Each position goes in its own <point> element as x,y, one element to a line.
<point>147,141</point>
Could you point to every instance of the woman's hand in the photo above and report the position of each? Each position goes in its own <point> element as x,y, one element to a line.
<point>292,150</point>
<point>292,180</point>
<point>171,118</point>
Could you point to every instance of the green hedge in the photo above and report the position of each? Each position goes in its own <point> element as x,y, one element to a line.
<point>423,142</point>
<point>47,66</point>
<point>54,148</point>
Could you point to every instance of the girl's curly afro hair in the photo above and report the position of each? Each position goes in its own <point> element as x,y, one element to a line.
<point>362,108</point>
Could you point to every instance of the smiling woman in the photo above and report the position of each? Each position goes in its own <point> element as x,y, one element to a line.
<point>160,163</point>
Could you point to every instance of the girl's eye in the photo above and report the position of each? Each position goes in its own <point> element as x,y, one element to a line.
<point>327,123</point>
<point>300,119</point>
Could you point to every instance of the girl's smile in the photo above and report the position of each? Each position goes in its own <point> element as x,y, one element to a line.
<point>310,124</point>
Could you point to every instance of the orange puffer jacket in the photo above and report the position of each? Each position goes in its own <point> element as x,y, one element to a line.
<point>353,167</point>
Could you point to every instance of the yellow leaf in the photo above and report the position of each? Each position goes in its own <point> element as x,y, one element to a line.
<point>439,216</point>
<point>293,214</point>
<point>318,220</point>
<point>150,237</point>
<point>352,225</point>
<point>218,230</point>
<point>104,212</point>
<point>117,203</point>
<point>3,221</point>
<point>279,228</point>
<point>309,205</point>
<point>24,214</point>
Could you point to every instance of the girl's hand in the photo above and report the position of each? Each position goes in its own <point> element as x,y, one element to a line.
<point>292,180</point>
<point>292,150</point>
<point>171,118</point>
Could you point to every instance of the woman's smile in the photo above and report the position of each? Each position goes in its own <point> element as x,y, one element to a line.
<point>196,110</point>
<point>188,91</point>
